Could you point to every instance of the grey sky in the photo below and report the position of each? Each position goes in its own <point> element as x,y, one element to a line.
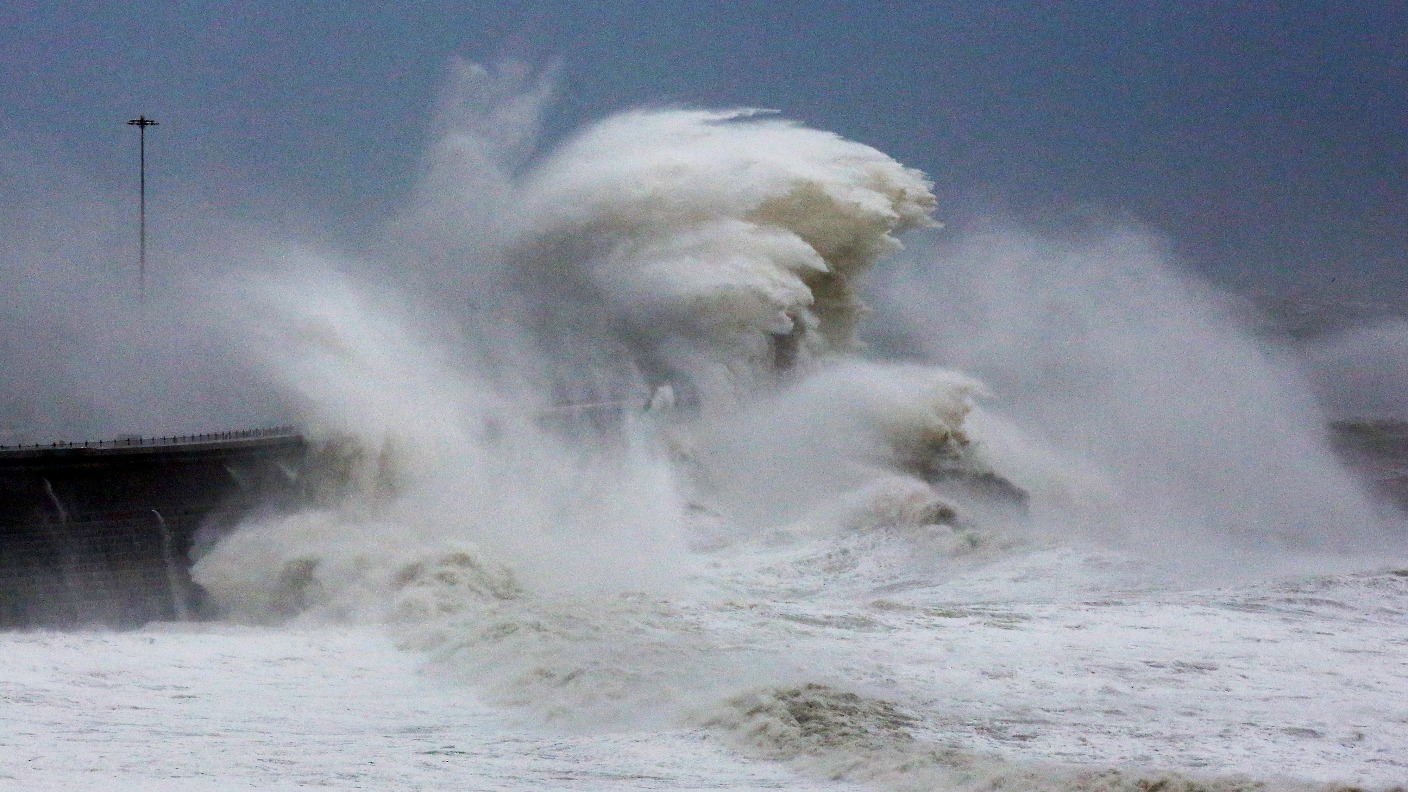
<point>1267,141</point>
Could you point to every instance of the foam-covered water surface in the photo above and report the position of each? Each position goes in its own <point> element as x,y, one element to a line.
<point>185,708</point>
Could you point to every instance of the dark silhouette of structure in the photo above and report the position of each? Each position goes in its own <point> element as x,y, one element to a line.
<point>103,533</point>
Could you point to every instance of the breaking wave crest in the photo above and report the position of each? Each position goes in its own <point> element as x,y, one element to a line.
<point>700,242</point>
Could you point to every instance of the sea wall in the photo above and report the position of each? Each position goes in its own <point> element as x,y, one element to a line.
<point>104,532</point>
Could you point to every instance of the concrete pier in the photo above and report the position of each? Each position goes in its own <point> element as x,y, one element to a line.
<point>103,533</point>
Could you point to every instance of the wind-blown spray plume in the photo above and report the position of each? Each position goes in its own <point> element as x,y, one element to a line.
<point>601,562</point>
<point>1362,372</point>
<point>1101,350</point>
<point>694,242</point>
<point>483,135</point>
<point>674,247</point>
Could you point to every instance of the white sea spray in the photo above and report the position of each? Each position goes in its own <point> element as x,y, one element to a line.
<point>614,455</point>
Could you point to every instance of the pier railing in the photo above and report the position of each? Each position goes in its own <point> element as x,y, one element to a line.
<point>270,433</point>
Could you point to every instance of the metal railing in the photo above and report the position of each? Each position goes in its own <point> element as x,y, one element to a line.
<point>165,440</point>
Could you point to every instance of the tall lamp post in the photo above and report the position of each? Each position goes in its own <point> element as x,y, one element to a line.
<point>142,122</point>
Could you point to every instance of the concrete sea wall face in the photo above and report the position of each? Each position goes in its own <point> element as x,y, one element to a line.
<point>104,533</point>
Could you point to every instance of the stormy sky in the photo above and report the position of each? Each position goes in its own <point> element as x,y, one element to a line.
<point>1263,143</point>
<point>1267,141</point>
